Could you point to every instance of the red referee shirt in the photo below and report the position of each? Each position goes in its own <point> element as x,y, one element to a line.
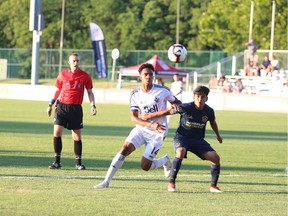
<point>72,86</point>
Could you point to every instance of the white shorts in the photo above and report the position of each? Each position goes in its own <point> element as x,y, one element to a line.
<point>152,140</point>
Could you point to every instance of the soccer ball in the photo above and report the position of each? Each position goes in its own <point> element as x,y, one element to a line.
<point>177,53</point>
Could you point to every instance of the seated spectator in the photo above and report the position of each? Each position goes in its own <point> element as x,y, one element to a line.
<point>227,88</point>
<point>238,86</point>
<point>221,80</point>
<point>265,66</point>
<point>213,82</point>
<point>274,64</point>
<point>251,69</point>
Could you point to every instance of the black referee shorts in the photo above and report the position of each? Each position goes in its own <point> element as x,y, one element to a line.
<point>69,116</point>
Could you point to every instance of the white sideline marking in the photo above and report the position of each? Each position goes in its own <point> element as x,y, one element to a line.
<point>129,177</point>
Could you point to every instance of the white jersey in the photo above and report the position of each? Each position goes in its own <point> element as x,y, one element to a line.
<point>153,101</point>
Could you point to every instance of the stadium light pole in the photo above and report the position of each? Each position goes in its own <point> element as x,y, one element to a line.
<point>272,30</point>
<point>251,19</point>
<point>36,25</point>
<point>177,25</point>
<point>177,21</point>
<point>61,36</point>
<point>115,55</point>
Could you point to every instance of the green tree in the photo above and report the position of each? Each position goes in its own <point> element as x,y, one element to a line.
<point>147,24</point>
<point>15,24</point>
<point>225,25</point>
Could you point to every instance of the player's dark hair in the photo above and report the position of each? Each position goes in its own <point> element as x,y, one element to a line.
<point>146,65</point>
<point>202,89</point>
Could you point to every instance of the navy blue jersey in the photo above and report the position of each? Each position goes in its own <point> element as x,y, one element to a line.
<point>193,122</point>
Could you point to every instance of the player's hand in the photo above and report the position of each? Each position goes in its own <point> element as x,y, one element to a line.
<point>146,116</point>
<point>220,139</point>
<point>176,108</point>
<point>93,110</point>
<point>159,127</point>
<point>49,110</point>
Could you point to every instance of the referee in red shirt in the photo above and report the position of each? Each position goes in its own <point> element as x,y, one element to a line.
<point>70,85</point>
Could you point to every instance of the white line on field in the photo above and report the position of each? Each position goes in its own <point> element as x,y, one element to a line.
<point>129,176</point>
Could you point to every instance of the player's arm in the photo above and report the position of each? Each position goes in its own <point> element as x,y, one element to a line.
<point>53,100</point>
<point>151,125</point>
<point>92,101</point>
<point>178,92</point>
<point>214,126</point>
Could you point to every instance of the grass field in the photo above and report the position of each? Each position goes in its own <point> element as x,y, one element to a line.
<point>253,159</point>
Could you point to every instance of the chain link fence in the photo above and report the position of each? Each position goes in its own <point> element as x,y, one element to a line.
<point>19,61</point>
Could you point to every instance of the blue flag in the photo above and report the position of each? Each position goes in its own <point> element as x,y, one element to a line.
<point>99,47</point>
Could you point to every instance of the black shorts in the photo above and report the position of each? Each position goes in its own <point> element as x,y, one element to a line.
<point>69,116</point>
<point>195,145</point>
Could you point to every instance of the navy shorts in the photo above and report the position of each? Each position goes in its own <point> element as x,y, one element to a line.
<point>69,116</point>
<point>195,145</point>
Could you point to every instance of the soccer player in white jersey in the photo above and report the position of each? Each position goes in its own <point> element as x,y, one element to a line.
<point>147,98</point>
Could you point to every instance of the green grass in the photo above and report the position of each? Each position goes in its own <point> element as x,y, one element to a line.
<point>253,159</point>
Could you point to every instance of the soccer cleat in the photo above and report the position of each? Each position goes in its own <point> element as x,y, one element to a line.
<point>102,185</point>
<point>167,166</point>
<point>215,189</point>
<point>80,167</point>
<point>55,165</point>
<point>171,187</point>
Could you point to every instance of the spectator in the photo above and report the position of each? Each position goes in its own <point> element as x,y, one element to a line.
<point>238,86</point>
<point>221,80</point>
<point>213,82</point>
<point>252,51</point>
<point>265,66</point>
<point>274,64</point>
<point>177,87</point>
<point>251,69</point>
<point>227,88</point>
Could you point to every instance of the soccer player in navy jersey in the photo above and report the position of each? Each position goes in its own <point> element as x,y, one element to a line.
<point>69,92</point>
<point>146,99</point>
<point>190,136</point>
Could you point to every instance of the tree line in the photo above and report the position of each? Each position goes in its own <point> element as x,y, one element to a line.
<point>147,24</point>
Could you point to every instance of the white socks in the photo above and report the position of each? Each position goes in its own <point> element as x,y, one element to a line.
<point>116,163</point>
<point>159,162</point>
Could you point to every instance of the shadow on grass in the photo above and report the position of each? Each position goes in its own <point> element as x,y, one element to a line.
<point>45,128</point>
<point>102,164</point>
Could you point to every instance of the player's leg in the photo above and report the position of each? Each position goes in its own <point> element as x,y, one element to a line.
<point>116,164</point>
<point>57,143</point>
<point>133,141</point>
<point>214,158</point>
<point>76,136</point>
<point>176,165</point>
<point>149,160</point>
<point>180,148</point>
<point>74,115</point>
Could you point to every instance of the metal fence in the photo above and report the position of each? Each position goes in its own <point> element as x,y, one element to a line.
<point>19,60</point>
<point>232,65</point>
<point>201,64</point>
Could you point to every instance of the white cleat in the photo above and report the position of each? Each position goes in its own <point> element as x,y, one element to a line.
<point>167,166</point>
<point>102,185</point>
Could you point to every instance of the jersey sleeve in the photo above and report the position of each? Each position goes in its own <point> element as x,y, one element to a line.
<point>59,81</point>
<point>133,102</point>
<point>170,97</point>
<point>89,83</point>
<point>212,115</point>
